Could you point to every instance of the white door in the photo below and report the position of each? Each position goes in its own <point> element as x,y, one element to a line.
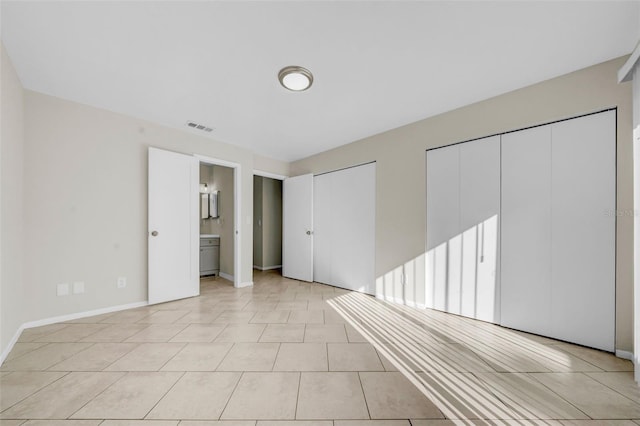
<point>583,229</point>
<point>526,231</point>
<point>297,228</point>
<point>463,203</point>
<point>636,245</point>
<point>173,226</point>
<point>344,228</point>
<point>443,228</point>
<point>479,211</point>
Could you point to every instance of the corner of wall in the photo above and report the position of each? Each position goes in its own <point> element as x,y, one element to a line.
<point>12,304</point>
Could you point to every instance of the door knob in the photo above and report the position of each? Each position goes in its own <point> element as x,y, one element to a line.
<point>154,233</point>
<point>309,232</point>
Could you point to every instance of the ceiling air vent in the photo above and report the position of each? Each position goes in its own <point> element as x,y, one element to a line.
<point>199,126</point>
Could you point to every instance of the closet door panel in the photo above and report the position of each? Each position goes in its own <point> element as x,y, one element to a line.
<point>354,228</point>
<point>479,181</point>
<point>488,276</point>
<point>344,228</point>
<point>469,273</point>
<point>443,226</point>
<point>443,195</point>
<point>323,212</point>
<point>479,210</point>
<point>583,245</point>
<point>526,230</point>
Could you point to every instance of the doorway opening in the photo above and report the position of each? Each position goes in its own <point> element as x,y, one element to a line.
<point>218,221</point>
<point>267,223</point>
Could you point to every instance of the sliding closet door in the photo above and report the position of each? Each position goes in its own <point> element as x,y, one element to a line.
<point>323,230</point>
<point>558,230</point>
<point>344,228</point>
<point>463,203</point>
<point>526,230</point>
<point>443,227</point>
<point>583,244</point>
<point>479,214</point>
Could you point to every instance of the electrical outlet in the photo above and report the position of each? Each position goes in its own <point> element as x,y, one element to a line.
<point>122,282</point>
<point>62,289</point>
<point>78,287</point>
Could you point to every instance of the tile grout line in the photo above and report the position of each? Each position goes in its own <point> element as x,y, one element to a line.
<point>66,373</point>
<point>122,375</point>
<point>184,373</point>
<point>136,346</point>
<point>295,414</point>
<point>326,345</point>
<point>184,345</point>
<point>273,365</point>
<point>26,353</point>
<point>364,396</point>
<point>226,404</point>
<point>532,375</point>
<point>9,361</point>
<point>586,373</point>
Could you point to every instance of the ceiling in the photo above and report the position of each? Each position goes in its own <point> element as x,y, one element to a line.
<point>377,65</point>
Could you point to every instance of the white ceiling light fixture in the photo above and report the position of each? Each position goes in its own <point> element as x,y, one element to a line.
<point>295,78</point>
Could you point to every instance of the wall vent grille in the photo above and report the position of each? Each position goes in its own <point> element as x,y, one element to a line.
<point>198,126</point>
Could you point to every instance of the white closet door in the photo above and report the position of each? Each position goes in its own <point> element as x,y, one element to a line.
<point>443,225</point>
<point>479,210</point>
<point>344,217</point>
<point>463,203</point>
<point>583,244</point>
<point>526,230</point>
<point>323,231</point>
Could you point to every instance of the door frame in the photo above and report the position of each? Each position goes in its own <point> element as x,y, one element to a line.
<point>237,223</point>
<point>269,175</point>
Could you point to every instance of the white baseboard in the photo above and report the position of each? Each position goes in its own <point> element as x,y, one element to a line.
<point>12,342</point>
<point>63,318</point>
<point>266,268</point>
<point>400,301</point>
<point>227,276</point>
<point>245,284</point>
<point>624,354</point>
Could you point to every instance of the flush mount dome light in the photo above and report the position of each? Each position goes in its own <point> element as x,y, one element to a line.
<point>295,78</point>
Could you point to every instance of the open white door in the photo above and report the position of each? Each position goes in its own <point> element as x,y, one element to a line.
<point>636,229</point>
<point>297,228</point>
<point>173,226</point>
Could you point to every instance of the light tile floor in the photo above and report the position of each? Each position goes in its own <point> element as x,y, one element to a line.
<point>287,353</point>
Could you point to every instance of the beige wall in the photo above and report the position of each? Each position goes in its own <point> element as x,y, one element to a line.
<point>86,202</point>
<point>400,168</point>
<point>270,165</point>
<point>12,303</point>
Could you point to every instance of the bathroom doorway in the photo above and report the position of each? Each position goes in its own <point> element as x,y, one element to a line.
<point>218,221</point>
